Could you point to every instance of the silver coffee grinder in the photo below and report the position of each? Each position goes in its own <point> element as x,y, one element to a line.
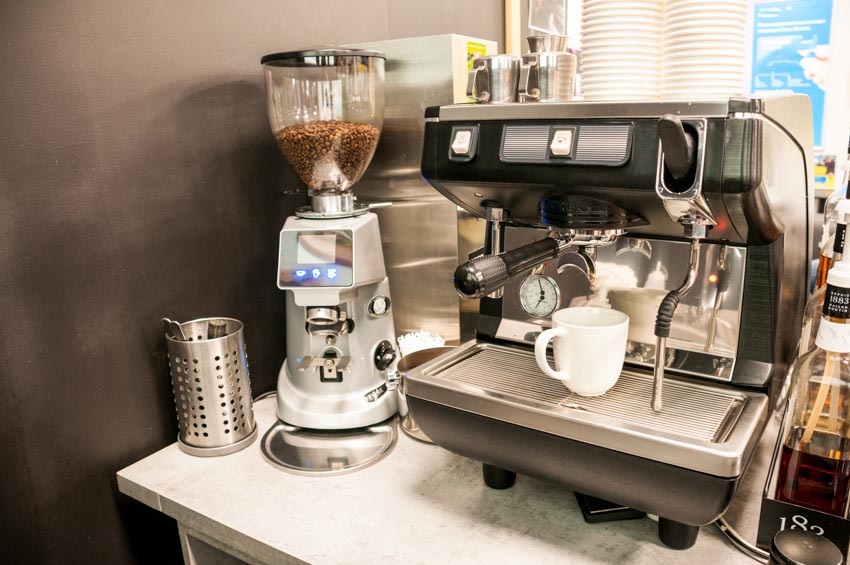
<point>326,109</point>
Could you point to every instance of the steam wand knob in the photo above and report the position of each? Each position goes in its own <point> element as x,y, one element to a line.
<point>679,146</point>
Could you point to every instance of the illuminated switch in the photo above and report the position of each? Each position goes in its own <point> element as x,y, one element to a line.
<point>462,143</point>
<point>300,273</point>
<point>562,143</point>
<point>331,273</point>
<point>316,273</point>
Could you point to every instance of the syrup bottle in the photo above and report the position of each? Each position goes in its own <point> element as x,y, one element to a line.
<point>830,220</point>
<point>814,470</point>
<point>812,314</point>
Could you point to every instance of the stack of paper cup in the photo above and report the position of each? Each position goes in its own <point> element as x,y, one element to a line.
<point>704,49</point>
<point>621,49</point>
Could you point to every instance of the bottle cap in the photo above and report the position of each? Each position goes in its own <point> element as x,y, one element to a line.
<point>796,547</point>
<point>842,208</point>
<point>839,274</point>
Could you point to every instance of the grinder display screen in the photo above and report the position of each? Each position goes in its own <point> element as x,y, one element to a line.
<point>316,248</point>
<point>315,258</point>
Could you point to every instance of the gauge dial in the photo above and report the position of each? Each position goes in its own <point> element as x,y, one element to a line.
<point>539,296</point>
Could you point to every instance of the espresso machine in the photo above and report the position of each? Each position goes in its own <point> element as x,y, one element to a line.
<point>326,109</point>
<point>694,218</point>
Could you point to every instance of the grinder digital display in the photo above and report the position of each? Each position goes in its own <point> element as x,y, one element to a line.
<point>315,258</point>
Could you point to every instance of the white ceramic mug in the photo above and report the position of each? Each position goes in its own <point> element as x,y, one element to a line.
<point>589,348</point>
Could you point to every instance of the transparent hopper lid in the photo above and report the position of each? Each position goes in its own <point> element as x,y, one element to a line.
<point>326,109</point>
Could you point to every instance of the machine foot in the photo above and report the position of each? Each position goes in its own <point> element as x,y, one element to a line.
<point>497,478</point>
<point>677,535</point>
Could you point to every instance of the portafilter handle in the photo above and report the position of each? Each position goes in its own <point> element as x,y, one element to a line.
<point>483,275</point>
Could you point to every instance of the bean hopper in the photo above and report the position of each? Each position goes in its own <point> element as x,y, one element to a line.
<point>326,108</point>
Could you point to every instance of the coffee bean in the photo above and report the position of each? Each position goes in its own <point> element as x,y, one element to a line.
<point>328,154</point>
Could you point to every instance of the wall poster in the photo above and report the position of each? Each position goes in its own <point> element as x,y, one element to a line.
<point>791,54</point>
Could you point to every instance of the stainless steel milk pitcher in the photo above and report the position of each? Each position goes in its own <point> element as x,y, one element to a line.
<point>547,77</point>
<point>493,79</point>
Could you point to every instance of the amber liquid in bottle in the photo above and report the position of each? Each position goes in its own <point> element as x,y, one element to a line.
<point>818,479</point>
<point>824,264</point>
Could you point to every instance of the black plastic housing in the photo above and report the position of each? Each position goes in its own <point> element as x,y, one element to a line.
<point>678,494</point>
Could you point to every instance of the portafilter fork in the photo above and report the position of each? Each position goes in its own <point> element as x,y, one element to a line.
<point>487,274</point>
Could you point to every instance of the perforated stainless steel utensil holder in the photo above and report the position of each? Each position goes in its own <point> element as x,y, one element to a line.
<point>212,389</point>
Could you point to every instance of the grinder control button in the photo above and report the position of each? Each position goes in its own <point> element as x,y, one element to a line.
<point>384,355</point>
<point>562,143</point>
<point>378,306</point>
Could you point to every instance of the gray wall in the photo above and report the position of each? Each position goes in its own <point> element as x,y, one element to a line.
<point>138,179</point>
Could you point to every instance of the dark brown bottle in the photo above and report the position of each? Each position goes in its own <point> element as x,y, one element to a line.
<point>817,478</point>
<point>814,468</point>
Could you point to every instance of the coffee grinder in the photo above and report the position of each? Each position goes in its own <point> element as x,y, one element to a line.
<point>326,110</point>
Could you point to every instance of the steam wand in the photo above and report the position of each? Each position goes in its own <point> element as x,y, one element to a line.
<point>666,311</point>
<point>679,185</point>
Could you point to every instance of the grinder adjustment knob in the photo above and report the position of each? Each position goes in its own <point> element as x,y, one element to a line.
<point>384,355</point>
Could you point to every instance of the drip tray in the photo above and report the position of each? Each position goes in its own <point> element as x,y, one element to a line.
<point>711,429</point>
<point>328,452</point>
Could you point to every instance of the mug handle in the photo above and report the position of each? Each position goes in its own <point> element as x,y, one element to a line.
<point>526,90</point>
<point>470,84</point>
<point>473,86</point>
<point>540,345</point>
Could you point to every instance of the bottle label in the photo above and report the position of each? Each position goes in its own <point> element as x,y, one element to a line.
<point>836,304</point>
<point>840,234</point>
<point>833,336</point>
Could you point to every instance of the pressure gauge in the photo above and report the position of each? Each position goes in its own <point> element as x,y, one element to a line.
<point>539,296</point>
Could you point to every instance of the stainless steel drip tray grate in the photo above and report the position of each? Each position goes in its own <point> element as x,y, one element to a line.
<point>516,374</point>
<point>702,427</point>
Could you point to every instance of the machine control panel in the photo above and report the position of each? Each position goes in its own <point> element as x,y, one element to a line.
<point>315,258</point>
<point>567,143</point>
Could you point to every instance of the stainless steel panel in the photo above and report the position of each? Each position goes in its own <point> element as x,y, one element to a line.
<point>419,239</point>
<point>706,327</point>
<point>419,230</point>
<point>704,428</point>
<point>779,107</point>
<point>565,110</point>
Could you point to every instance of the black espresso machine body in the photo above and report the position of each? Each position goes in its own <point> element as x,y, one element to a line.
<point>571,171</point>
